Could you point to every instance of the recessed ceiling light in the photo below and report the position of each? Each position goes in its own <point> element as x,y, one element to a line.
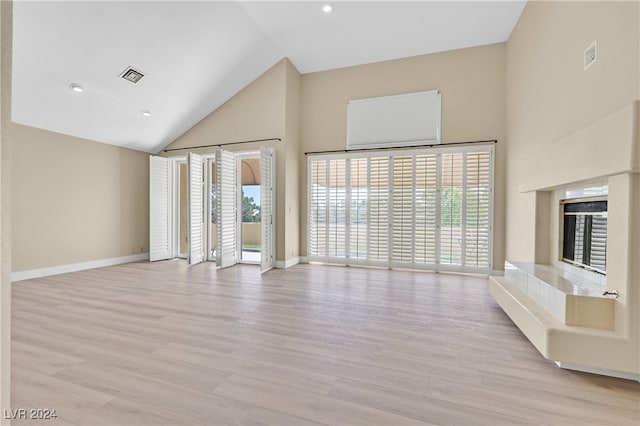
<point>146,113</point>
<point>76,87</point>
<point>327,8</point>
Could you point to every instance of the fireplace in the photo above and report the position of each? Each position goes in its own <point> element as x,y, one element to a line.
<point>584,233</point>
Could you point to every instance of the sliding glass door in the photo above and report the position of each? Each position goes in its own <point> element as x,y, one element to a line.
<point>421,209</point>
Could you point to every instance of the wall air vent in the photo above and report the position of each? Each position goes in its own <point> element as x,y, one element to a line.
<point>132,75</point>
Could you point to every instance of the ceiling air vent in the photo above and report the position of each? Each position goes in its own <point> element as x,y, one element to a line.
<point>132,75</point>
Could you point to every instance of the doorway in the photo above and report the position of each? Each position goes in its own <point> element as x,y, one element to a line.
<point>215,207</point>
<point>249,210</point>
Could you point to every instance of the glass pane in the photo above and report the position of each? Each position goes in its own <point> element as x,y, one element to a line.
<point>251,212</point>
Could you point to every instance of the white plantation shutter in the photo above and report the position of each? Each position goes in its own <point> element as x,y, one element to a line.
<point>359,200</point>
<point>403,209</point>
<point>336,208</point>
<point>160,219</point>
<point>226,208</point>
<point>378,216</point>
<point>267,167</point>
<point>195,195</point>
<point>451,196</point>
<point>426,209</point>
<point>477,201</point>
<point>317,209</point>
<point>426,222</point>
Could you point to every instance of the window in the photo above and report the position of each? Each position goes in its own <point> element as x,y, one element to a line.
<point>428,208</point>
<point>585,234</point>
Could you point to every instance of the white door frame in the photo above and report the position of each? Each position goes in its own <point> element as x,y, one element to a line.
<point>207,161</point>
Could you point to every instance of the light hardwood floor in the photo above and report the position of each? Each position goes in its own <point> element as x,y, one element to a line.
<point>163,343</point>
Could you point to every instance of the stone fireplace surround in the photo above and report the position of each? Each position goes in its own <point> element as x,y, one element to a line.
<point>558,306</point>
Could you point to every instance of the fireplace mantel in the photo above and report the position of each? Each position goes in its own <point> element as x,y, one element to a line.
<point>606,147</point>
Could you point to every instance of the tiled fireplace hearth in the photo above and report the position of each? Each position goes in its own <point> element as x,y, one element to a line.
<point>569,299</point>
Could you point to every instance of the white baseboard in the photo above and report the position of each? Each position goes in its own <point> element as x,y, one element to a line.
<point>74,267</point>
<point>287,263</point>
<point>601,371</point>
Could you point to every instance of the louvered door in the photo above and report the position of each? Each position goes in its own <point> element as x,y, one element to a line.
<point>160,218</point>
<point>403,211</point>
<point>195,209</point>
<point>378,222</point>
<point>267,208</point>
<point>226,209</point>
<point>477,224</point>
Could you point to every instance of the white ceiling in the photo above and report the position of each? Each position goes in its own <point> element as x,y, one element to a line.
<point>196,55</point>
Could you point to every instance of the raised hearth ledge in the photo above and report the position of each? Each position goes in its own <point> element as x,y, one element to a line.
<point>586,349</point>
<point>578,301</point>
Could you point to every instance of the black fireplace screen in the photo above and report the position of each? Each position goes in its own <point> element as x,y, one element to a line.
<point>585,234</point>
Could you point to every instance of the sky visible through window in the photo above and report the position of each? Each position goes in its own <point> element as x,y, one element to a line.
<point>252,191</point>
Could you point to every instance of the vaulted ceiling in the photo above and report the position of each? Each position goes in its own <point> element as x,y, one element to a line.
<point>196,55</point>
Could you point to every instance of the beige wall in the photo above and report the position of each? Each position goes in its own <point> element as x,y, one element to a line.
<point>292,155</point>
<point>309,113</point>
<point>75,200</point>
<point>255,112</point>
<point>549,95</point>
<point>472,85</point>
<point>555,108</point>
<point>259,111</point>
<point>6,26</point>
<point>251,233</point>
